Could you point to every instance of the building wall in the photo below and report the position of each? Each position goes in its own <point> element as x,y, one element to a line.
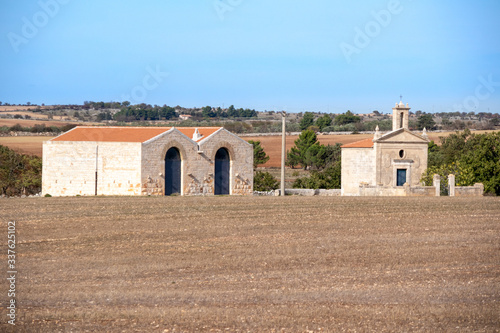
<point>198,164</point>
<point>138,168</point>
<point>153,166</point>
<point>388,160</point>
<point>241,154</point>
<point>69,168</point>
<point>358,166</point>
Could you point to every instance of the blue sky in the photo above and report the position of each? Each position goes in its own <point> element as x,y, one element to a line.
<point>317,55</point>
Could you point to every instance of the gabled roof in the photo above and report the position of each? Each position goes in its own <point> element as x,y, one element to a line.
<point>128,134</point>
<point>366,143</point>
<point>402,135</point>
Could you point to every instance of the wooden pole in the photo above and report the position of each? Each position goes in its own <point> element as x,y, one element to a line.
<point>283,152</point>
<point>96,166</point>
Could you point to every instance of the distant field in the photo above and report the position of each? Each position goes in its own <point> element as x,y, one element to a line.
<point>22,107</point>
<point>30,145</point>
<point>254,264</point>
<point>31,123</point>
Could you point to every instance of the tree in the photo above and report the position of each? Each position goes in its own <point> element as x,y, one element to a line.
<point>19,174</point>
<point>473,158</point>
<point>323,122</point>
<point>346,118</point>
<point>264,181</point>
<point>425,121</point>
<point>298,154</point>
<point>259,155</point>
<point>306,121</point>
<point>328,178</point>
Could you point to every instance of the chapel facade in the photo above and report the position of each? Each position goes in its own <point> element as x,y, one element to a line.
<point>388,161</point>
<point>147,161</point>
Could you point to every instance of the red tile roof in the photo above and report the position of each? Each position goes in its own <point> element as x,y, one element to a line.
<point>366,143</point>
<point>127,134</point>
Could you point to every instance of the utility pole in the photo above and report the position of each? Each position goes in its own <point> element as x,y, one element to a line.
<point>283,151</point>
<point>96,166</point>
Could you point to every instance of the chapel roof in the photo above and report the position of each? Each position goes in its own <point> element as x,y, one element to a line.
<point>129,134</point>
<point>366,143</point>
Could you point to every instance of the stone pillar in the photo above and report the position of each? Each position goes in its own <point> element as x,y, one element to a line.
<point>436,182</point>
<point>451,185</point>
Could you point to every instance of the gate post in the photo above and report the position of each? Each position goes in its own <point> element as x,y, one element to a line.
<point>451,185</point>
<point>436,182</point>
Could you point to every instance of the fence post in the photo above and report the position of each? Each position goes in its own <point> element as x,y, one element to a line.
<point>436,182</point>
<point>451,185</point>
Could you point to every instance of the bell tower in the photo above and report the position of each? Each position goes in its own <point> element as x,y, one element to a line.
<point>400,115</point>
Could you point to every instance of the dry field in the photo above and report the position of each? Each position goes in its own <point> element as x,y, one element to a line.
<point>30,145</point>
<point>255,264</point>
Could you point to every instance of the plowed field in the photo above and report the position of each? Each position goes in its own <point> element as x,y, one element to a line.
<point>253,264</point>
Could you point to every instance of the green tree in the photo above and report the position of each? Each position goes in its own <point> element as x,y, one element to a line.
<point>306,121</point>
<point>346,118</point>
<point>323,121</point>
<point>259,155</point>
<point>426,121</point>
<point>473,158</point>
<point>328,178</point>
<point>264,181</point>
<point>19,174</point>
<point>299,153</point>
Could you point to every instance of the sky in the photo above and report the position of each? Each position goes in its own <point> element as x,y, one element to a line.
<point>318,55</point>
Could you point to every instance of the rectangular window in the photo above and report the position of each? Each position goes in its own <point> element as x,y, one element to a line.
<point>401,177</point>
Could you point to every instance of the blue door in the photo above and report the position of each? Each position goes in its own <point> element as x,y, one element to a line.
<point>172,172</point>
<point>401,174</point>
<point>222,166</point>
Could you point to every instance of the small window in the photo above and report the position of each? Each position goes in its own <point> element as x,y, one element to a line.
<point>401,153</point>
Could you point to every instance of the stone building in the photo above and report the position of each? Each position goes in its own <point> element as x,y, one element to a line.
<point>147,161</point>
<point>388,161</point>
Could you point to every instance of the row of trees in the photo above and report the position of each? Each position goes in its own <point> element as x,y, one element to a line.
<point>145,112</point>
<point>19,174</point>
<point>37,128</point>
<point>472,158</point>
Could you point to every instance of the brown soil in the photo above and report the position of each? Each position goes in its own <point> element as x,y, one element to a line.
<point>254,264</point>
<point>30,145</point>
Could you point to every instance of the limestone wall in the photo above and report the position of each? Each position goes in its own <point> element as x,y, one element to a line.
<point>398,191</point>
<point>153,166</point>
<point>358,166</point>
<point>69,168</point>
<point>198,163</point>
<point>389,160</point>
<point>241,154</point>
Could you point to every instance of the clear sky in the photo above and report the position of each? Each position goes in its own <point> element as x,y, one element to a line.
<point>316,55</point>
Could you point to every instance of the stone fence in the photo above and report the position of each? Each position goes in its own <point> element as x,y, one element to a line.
<point>425,191</point>
<point>302,192</point>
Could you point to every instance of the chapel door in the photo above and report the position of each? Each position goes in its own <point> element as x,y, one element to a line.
<point>222,168</point>
<point>172,172</point>
<point>401,177</point>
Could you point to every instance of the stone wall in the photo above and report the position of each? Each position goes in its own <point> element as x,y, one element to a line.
<point>469,191</point>
<point>241,155</point>
<point>198,163</point>
<point>358,166</point>
<point>69,168</point>
<point>398,191</point>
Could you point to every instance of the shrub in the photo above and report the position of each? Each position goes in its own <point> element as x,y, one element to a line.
<point>264,181</point>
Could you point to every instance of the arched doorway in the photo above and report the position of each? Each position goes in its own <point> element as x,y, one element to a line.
<point>172,171</point>
<point>222,167</point>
